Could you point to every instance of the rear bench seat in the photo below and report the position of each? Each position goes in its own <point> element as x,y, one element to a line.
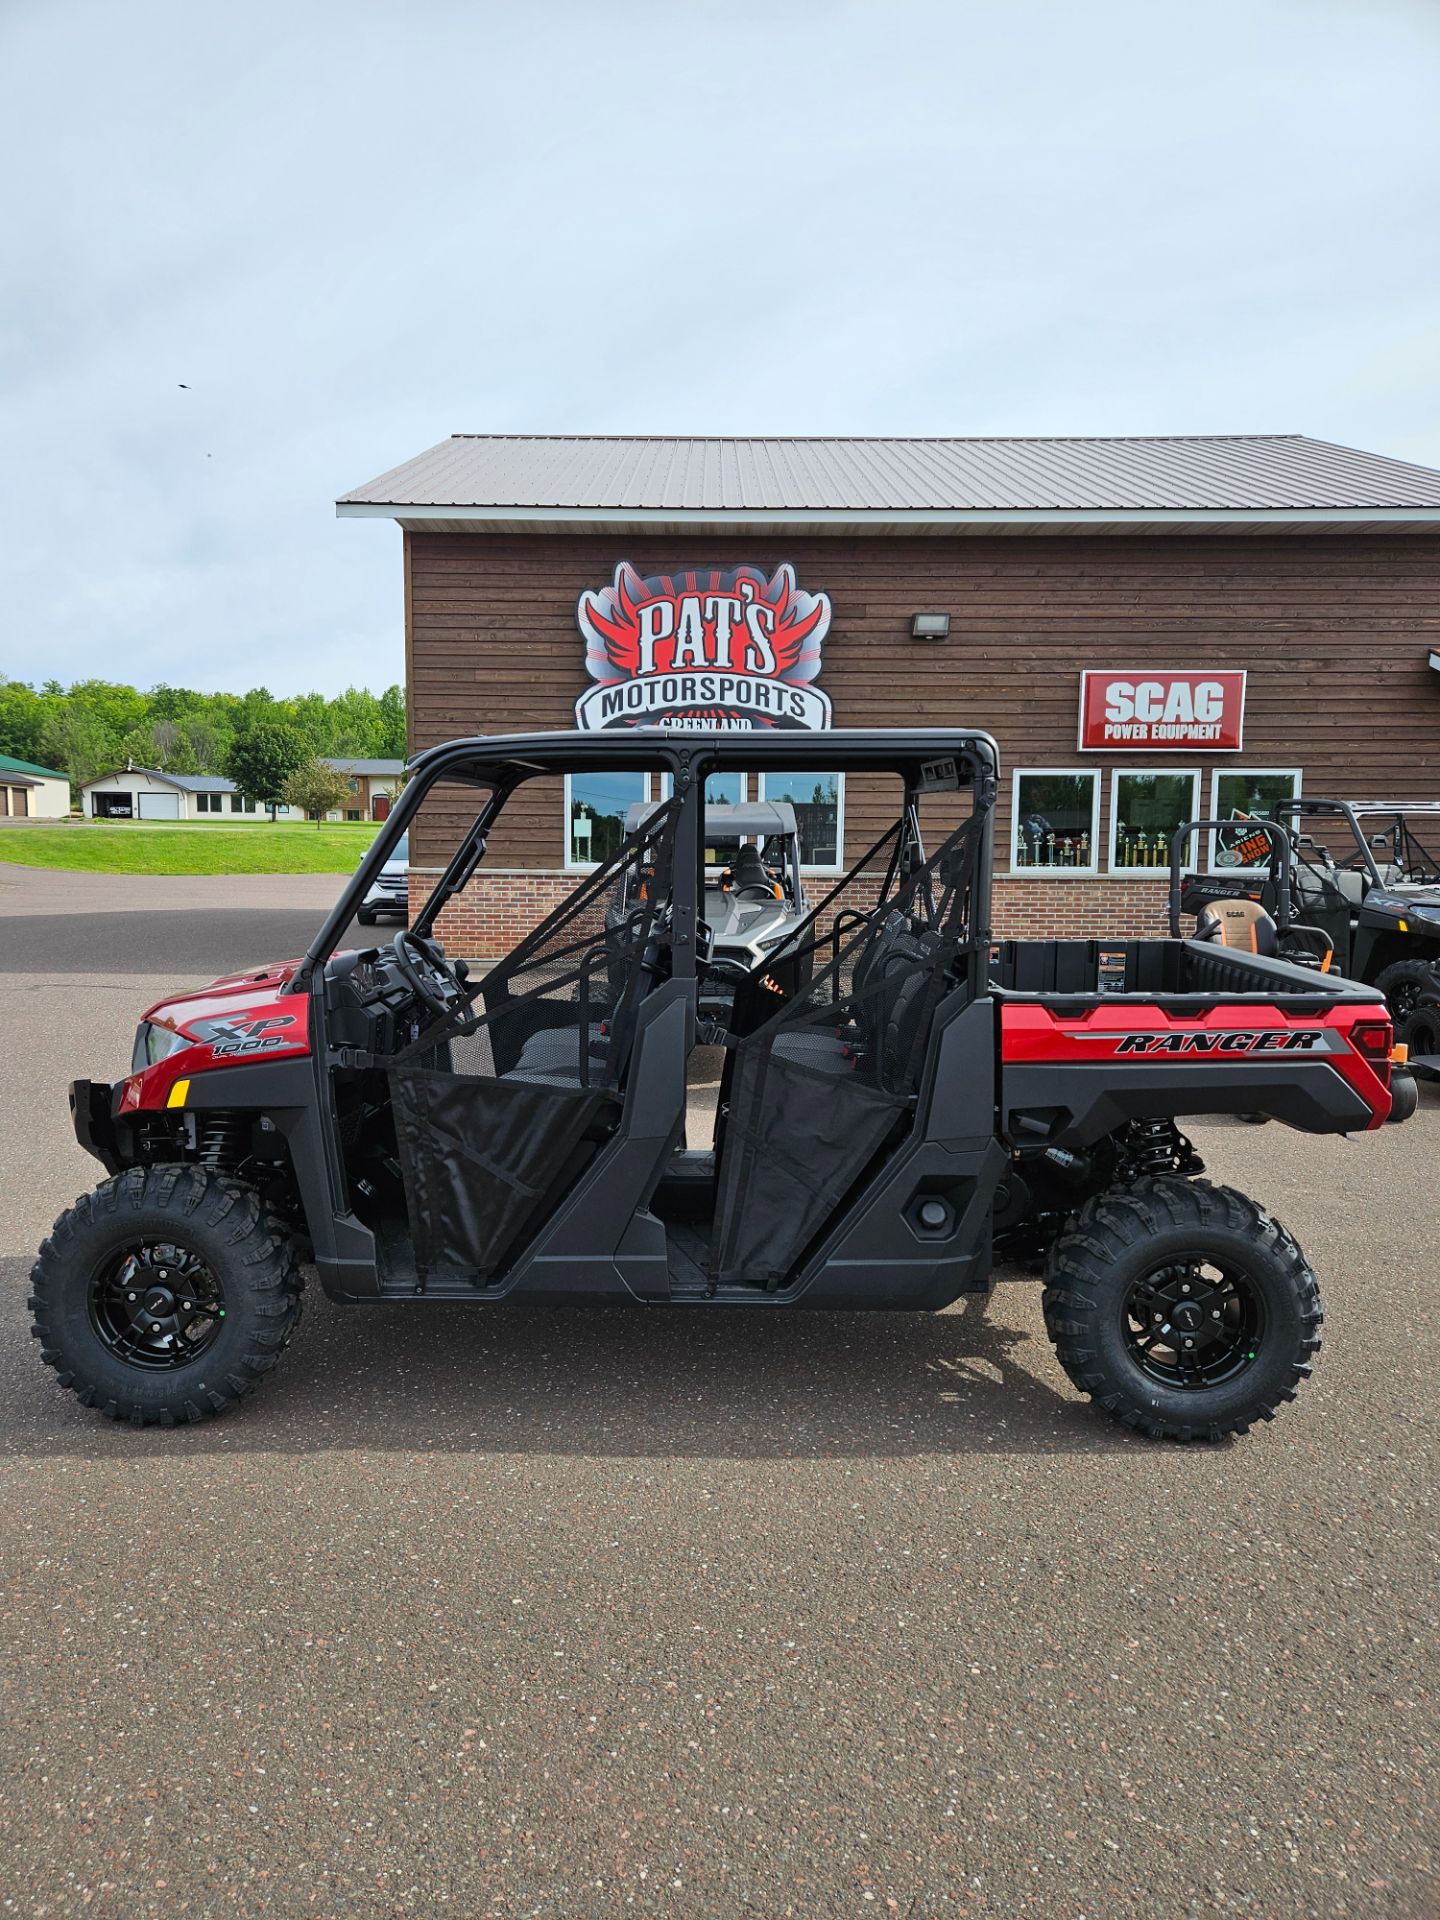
<point>887,981</point>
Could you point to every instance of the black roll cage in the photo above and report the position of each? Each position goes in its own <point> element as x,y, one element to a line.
<point>1403,836</point>
<point>926,759</point>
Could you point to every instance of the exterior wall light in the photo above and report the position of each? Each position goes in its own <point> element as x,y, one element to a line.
<point>930,626</point>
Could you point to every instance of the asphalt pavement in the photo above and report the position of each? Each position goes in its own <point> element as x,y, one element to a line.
<point>610,1613</point>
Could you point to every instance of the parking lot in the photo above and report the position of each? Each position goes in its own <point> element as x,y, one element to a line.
<point>616,1612</point>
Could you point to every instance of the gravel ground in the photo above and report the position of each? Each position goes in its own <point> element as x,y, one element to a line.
<point>575,1614</point>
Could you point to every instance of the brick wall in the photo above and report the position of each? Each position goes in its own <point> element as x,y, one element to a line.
<point>1080,909</point>
<point>497,909</point>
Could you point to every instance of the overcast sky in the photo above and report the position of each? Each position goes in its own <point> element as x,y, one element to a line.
<point>351,230</point>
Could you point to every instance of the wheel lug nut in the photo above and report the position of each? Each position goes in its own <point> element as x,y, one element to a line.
<point>1215,1313</point>
<point>130,1296</point>
<point>1189,1343</point>
<point>1184,1285</point>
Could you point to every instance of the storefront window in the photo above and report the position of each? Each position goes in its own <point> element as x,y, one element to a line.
<point>596,806</point>
<point>1145,810</point>
<point>1245,795</point>
<point>1055,821</point>
<point>724,789</point>
<point>819,803</point>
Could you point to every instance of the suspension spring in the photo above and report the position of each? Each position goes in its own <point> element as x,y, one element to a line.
<point>224,1141</point>
<point>1154,1146</point>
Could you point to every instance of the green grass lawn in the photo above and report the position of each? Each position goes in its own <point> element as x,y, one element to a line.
<point>198,847</point>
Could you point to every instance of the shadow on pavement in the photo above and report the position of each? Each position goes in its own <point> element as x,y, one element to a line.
<point>626,1383</point>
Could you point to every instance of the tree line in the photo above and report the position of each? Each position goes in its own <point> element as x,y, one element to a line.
<point>256,739</point>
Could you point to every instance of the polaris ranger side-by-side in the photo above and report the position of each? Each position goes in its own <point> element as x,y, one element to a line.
<point>1363,898</point>
<point>902,1100</point>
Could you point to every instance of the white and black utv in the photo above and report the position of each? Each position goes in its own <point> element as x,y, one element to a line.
<point>904,1098</point>
<point>754,891</point>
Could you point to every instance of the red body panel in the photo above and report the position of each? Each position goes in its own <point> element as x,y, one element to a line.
<point>1134,1032</point>
<point>239,1018</point>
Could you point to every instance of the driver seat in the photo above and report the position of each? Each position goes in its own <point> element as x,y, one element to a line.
<point>749,870</point>
<point>1242,925</point>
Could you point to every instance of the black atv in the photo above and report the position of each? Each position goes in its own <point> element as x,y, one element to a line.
<point>1363,898</point>
<point>903,1101</point>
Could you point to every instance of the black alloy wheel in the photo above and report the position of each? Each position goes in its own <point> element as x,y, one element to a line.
<point>156,1305</point>
<point>1194,1325</point>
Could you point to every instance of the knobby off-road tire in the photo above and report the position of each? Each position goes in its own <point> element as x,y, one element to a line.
<point>1412,988</point>
<point>1135,1266</point>
<point>199,1241</point>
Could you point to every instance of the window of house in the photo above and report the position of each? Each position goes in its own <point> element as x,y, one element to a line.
<point>1246,794</point>
<point>1145,810</point>
<point>595,808</point>
<point>819,803</point>
<point>1055,821</point>
<point>353,813</point>
<point>209,802</point>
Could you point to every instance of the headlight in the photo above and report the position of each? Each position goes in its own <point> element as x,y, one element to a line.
<point>155,1043</point>
<point>775,940</point>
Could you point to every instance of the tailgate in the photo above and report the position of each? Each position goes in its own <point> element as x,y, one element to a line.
<point>1075,1070</point>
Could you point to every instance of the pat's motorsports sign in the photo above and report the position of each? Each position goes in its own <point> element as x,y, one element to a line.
<point>732,650</point>
<point>1162,711</point>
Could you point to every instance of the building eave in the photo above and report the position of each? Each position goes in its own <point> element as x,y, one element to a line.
<point>433,516</point>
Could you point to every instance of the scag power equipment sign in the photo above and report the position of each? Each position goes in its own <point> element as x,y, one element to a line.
<point>1163,712</point>
<point>731,649</point>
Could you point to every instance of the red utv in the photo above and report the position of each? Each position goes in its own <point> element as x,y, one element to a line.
<point>903,1101</point>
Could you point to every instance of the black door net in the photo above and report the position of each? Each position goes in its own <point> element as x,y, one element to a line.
<point>492,1139</point>
<point>827,1082</point>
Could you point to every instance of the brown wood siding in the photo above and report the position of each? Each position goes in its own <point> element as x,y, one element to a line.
<point>1335,634</point>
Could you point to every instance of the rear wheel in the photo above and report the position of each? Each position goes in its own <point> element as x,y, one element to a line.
<point>165,1295</point>
<point>1182,1309</point>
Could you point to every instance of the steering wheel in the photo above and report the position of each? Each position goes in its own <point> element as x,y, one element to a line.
<point>435,983</point>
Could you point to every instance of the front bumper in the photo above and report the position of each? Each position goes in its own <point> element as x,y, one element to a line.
<point>92,1112</point>
<point>387,900</point>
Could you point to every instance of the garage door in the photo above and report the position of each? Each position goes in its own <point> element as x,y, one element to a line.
<point>159,806</point>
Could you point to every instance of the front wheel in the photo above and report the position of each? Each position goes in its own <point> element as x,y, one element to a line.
<point>1412,988</point>
<point>1185,1311</point>
<point>165,1295</point>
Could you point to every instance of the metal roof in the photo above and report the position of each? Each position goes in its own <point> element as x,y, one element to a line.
<point>724,818</point>
<point>575,479</point>
<point>187,782</point>
<point>375,767</point>
<point>9,764</point>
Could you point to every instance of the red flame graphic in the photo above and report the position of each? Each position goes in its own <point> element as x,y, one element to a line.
<point>793,623</point>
